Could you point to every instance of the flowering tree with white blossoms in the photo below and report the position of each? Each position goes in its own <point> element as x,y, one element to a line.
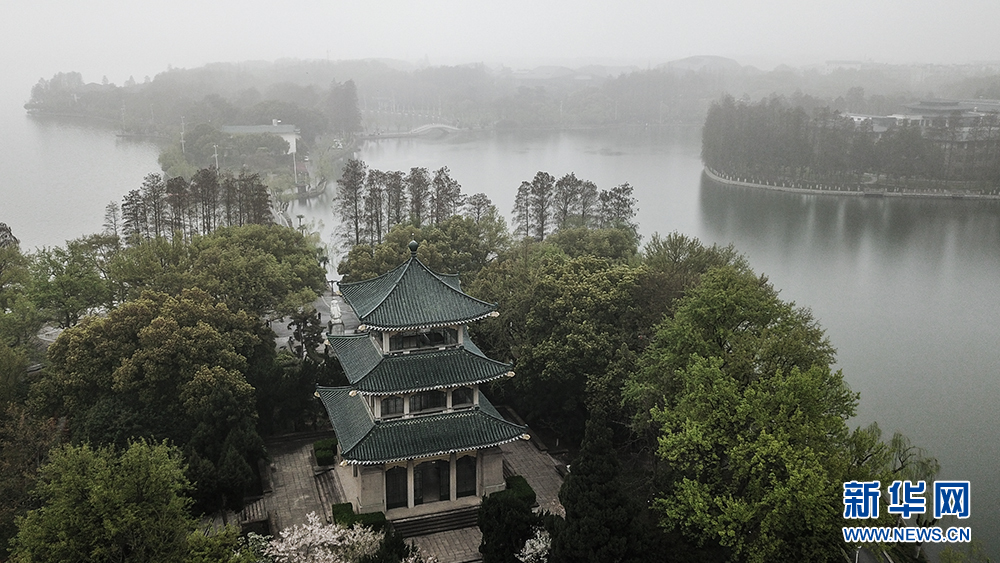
<point>317,542</point>
<point>536,549</point>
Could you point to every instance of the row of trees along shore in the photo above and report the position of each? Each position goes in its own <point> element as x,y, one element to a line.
<point>371,202</point>
<point>702,413</point>
<point>773,141</point>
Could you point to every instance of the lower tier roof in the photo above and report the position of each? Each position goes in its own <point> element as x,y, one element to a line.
<point>366,441</point>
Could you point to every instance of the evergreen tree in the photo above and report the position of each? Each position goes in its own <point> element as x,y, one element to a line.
<point>599,514</point>
<point>506,522</point>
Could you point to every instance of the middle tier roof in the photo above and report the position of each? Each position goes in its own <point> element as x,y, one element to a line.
<point>371,372</point>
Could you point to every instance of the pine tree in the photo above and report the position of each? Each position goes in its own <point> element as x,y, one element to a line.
<point>599,515</point>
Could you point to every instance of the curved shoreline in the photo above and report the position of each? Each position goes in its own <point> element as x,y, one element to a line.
<point>838,191</point>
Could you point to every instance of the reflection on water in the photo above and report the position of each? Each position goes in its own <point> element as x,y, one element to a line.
<point>908,293</point>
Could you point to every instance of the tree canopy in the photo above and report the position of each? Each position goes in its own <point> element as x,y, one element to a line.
<point>751,422</point>
<point>165,367</point>
<point>103,504</point>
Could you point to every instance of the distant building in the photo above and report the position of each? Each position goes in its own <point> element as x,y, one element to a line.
<point>289,133</point>
<point>412,424</point>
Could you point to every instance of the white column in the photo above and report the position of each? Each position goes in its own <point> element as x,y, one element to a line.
<point>475,395</point>
<point>406,405</point>
<point>447,400</point>
<point>409,484</point>
<point>385,342</point>
<point>377,404</point>
<point>453,491</point>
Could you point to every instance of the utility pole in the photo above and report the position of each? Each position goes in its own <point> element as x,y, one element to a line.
<point>216,147</point>
<point>182,134</point>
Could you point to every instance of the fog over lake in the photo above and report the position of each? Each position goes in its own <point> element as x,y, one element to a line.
<point>906,289</point>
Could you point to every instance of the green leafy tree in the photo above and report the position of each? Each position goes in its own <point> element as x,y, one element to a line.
<point>568,325</point>
<point>100,504</point>
<point>751,422</point>
<point>25,441</point>
<point>19,317</point>
<point>164,367</point>
<point>67,283</point>
<point>266,270</point>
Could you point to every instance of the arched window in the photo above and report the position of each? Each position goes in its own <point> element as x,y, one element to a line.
<point>461,397</point>
<point>392,406</point>
<point>428,400</point>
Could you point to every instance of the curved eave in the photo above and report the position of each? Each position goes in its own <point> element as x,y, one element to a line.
<point>386,328</point>
<point>433,454</point>
<point>428,388</point>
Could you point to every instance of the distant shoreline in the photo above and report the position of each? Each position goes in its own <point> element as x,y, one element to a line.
<point>834,190</point>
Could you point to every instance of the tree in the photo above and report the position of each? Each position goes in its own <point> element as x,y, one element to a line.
<point>395,195</point>
<point>105,505</point>
<point>506,522</point>
<point>617,209</point>
<point>25,441</point>
<point>446,196</point>
<point>342,108</point>
<point>67,284</point>
<point>374,209</point>
<point>540,203</point>
<point>599,514</point>
<point>315,542</point>
<point>523,222</point>
<point>418,185</point>
<point>19,319</point>
<point>566,200</point>
<point>751,420</point>
<point>568,325</point>
<point>351,201</point>
<point>163,367</point>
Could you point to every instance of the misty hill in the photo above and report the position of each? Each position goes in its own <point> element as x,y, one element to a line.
<point>398,96</point>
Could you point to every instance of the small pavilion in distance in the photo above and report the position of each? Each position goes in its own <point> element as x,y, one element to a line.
<point>412,425</point>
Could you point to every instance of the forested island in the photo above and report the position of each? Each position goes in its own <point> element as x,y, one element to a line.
<point>947,149</point>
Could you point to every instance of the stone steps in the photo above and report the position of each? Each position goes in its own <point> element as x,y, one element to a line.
<point>439,522</point>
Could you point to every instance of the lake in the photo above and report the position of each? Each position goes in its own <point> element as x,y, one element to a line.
<point>907,290</point>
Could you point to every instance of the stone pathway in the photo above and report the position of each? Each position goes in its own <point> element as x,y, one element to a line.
<point>294,489</point>
<point>539,469</point>
<point>454,546</point>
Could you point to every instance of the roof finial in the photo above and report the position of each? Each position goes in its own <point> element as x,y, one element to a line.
<point>413,248</point>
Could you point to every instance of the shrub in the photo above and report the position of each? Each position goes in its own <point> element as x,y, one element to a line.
<point>326,451</point>
<point>344,515</point>
<point>519,487</point>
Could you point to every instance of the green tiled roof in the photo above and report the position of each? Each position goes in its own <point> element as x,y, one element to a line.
<point>350,417</point>
<point>357,354</point>
<point>372,373</point>
<point>411,296</point>
<point>416,437</point>
<point>430,370</point>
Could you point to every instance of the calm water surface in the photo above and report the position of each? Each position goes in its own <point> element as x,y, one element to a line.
<point>907,290</point>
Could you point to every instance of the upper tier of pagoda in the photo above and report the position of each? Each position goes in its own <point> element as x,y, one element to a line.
<point>411,297</point>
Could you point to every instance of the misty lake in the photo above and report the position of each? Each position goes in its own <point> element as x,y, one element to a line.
<point>907,290</point>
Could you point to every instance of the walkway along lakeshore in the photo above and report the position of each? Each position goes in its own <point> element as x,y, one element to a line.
<point>815,188</point>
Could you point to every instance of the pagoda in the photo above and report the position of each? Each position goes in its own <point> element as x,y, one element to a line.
<point>412,424</point>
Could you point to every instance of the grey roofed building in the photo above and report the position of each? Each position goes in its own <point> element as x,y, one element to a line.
<point>412,421</point>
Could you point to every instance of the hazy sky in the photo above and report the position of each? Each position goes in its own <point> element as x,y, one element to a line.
<point>138,37</point>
